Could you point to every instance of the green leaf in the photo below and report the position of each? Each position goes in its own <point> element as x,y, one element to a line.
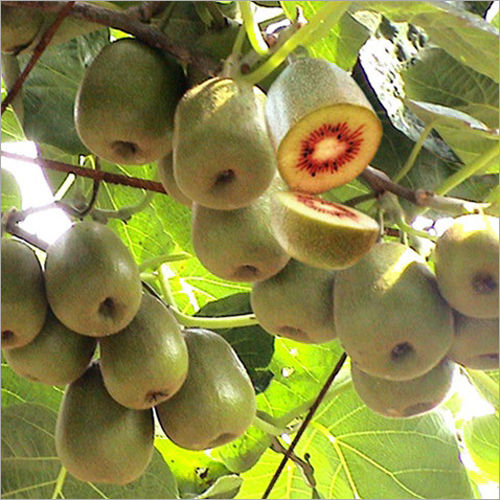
<point>194,471</point>
<point>356,453</point>
<point>254,346</point>
<point>487,383</point>
<point>466,37</point>
<point>50,91</point>
<point>481,439</point>
<point>31,468</point>
<point>16,389</point>
<point>469,138</point>
<point>438,78</point>
<point>340,44</point>
<point>224,487</point>
<point>11,194</point>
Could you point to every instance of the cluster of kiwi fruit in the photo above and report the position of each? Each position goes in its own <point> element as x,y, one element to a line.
<point>252,168</point>
<point>86,321</point>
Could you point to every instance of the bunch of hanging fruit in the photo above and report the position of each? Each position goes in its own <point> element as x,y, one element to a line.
<point>252,168</point>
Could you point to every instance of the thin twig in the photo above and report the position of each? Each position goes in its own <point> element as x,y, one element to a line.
<point>38,51</point>
<point>129,24</point>
<point>95,192</point>
<point>100,175</point>
<point>305,423</point>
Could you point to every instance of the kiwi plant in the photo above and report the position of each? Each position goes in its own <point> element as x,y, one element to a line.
<point>252,169</point>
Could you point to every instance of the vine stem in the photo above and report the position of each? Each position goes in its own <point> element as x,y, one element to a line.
<point>252,29</point>
<point>100,175</point>
<point>329,15</point>
<point>65,9</point>
<point>200,321</point>
<point>305,423</point>
<point>131,25</point>
<point>61,477</point>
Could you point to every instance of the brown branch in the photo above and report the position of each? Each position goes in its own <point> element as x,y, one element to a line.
<point>129,24</point>
<point>99,175</point>
<point>305,423</point>
<point>380,182</point>
<point>65,9</point>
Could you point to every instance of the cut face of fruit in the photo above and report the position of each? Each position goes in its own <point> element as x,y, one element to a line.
<point>408,398</point>
<point>322,125</point>
<point>389,315</point>
<point>320,233</point>
<point>475,344</point>
<point>466,258</point>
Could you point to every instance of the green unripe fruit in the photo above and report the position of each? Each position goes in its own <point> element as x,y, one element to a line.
<point>93,283</point>
<point>389,315</point>
<point>223,157</point>
<point>19,27</point>
<point>296,303</point>
<point>126,101</point>
<point>166,175</point>
<point>238,245</point>
<point>56,356</point>
<point>475,344</point>
<point>466,263</point>
<point>24,303</point>
<point>408,398</point>
<point>147,362</point>
<point>216,404</point>
<point>97,439</point>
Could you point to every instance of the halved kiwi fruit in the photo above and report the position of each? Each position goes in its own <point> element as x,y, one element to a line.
<point>320,233</point>
<point>466,261</point>
<point>321,124</point>
<point>407,398</point>
<point>475,344</point>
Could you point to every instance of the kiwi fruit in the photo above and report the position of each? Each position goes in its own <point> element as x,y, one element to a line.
<point>166,175</point>
<point>408,398</point>
<point>223,158</point>
<point>296,303</point>
<point>56,356</point>
<point>24,302</point>
<point>322,126</point>
<point>238,245</point>
<point>320,233</point>
<point>19,27</point>
<point>475,344</point>
<point>389,314</point>
<point>466,263</point>
<point>125,103</point>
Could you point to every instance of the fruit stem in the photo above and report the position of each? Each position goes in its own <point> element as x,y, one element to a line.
<point>200,321</point>
<point>61,477</point>
<point>252,29</point>
<point>415,151</point>
<point>267,427</point>
<point>124,213</point>
<point>155,262</point>
<point>325,18</point>
<point>467,171</point>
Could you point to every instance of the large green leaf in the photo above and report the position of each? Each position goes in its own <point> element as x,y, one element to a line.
<point>487,383</point>
<point>339,45</point>
<point>465,36</point>
<point>194,471</point>
<point>50,91</point>
<point>438,78</point>
<point>358,454</point>
<point>16,389</point>
<point>11,194</point>
<point>31,469</point>
<point>481,439</point>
